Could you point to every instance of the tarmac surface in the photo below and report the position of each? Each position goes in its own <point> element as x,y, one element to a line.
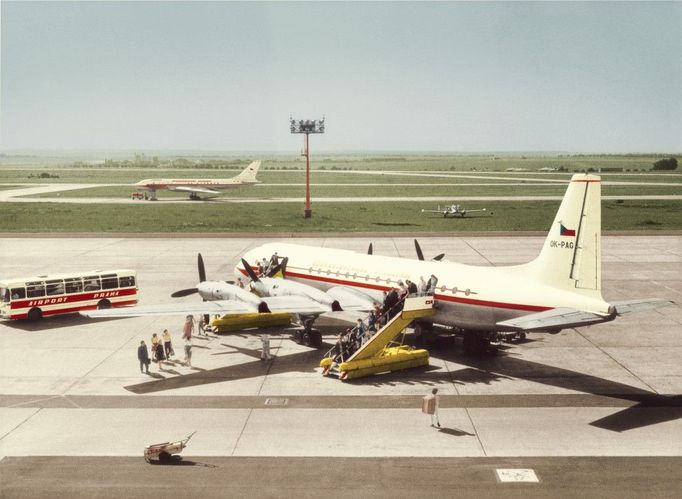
<point>595,411</point>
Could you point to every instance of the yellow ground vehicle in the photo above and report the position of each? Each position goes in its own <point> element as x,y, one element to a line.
<point>237,322</point>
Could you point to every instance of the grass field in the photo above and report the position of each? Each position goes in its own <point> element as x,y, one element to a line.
<point>376,217</point>
<point>446,177</point>
<point>402,162</point>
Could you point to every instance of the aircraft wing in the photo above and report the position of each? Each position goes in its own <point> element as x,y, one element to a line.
<point>434,211</point>
<point>351,299</point>
<point>556,318</point>
<point>187,188</point>
<point>629,306</point>
<point>207,307</point>
<point>292,304</point>
<point>295,305</point>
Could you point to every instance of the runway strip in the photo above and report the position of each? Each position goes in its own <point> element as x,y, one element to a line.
<point>206,476</point>
<point>348,432</point>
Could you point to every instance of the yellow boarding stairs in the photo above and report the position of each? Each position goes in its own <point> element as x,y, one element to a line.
<point>376,355</point>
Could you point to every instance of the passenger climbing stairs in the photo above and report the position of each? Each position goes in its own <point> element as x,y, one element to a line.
<point>380,354</point>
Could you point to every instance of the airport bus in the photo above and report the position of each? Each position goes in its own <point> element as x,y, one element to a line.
<point>45,295</point>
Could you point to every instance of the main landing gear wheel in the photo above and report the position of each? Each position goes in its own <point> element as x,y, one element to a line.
<point>477,345</point>
<point>308,337</point>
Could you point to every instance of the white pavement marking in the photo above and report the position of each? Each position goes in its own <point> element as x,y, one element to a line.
<point>11,419</point>
<point>516,475</point>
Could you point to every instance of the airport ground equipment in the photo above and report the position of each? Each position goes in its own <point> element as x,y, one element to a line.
<point>237,322</point>
<point>378,354</point>
<point>166,451</point>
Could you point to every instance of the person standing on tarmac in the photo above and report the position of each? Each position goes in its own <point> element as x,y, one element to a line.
<point>188,327</point>
<point>430,406</point>
<point>265,343</point>
<point>143,357</point>
<point>188,350</point>
<point>167,344</point>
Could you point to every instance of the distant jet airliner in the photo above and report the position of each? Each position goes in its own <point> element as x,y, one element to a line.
<point>195,186</point>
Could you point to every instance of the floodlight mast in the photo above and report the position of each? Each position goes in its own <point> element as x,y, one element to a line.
<point>306,127</point>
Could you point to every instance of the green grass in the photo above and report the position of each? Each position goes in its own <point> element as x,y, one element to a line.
<point>342,217</point>
<point>339,162</point>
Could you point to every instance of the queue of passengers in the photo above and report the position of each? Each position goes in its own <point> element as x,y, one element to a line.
<point>354,338</point>
<point>265,267</point>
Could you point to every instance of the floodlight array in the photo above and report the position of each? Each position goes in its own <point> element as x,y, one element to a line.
<point>306,126</point>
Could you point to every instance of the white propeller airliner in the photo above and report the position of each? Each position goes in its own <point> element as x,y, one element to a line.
<point>561,288</point>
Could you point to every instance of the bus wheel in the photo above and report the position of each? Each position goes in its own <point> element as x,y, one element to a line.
<point>35,314</point>
<point>103,304</point>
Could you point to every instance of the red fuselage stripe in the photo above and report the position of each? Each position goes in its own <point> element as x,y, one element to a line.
<point>453,299</point>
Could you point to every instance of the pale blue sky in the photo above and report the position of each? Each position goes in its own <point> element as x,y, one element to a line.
<point>590,77</point>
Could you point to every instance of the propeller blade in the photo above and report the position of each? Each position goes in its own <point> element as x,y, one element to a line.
<point>184,292</point>
<point>370,249</point>
<point>250,271</point>
<point>420,255</point>
<point>438,258</point>
<point>202,269</point>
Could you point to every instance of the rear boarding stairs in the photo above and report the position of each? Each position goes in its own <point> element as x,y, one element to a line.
<point>379,354</point>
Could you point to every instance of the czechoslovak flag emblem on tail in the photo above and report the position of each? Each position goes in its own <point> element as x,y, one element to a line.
<point>566,232</point>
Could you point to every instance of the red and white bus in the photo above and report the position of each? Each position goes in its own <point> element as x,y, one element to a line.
<point>41,296</point>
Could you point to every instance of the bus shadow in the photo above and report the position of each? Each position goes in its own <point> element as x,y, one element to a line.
<point>56,322</point>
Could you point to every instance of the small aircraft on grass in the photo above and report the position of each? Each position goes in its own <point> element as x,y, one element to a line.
<point>455,210</point>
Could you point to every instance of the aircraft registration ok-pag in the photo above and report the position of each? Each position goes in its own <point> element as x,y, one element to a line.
<point>561,288</point>
<point>196,186</point>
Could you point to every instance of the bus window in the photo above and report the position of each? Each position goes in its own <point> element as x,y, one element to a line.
<point>35,289</point>
<point>18,293</point>
<point>55,287</point>
<point>91,283</point>
<point>4,295</point>
<point>109,281</point>
<point>73,285</point>
<point>127,282</point>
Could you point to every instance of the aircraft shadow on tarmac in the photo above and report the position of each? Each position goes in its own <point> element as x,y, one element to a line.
<point>641,414</point>
<point>649,408</point>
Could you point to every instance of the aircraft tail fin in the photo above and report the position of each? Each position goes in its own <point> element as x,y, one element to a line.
<point>249,173</point>
<point>571,256</point>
